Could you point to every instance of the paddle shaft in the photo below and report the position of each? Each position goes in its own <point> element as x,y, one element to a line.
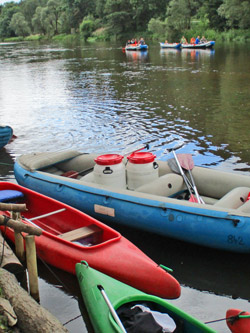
<point>182,173</point>
<point>42,216</point>
<point>195,188</point>
<point>111,308</point>
<point>48,214</point>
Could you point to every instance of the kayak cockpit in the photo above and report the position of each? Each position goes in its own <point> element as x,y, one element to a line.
<point>145,315</point>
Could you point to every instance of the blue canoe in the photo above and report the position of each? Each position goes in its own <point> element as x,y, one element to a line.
<point>206,45</point>
<point>159,205</point>
<point>6,133</point>
<point>136,47</point>
<point>170,45</point>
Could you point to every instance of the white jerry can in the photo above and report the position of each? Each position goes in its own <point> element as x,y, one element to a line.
<point>110,170</point>
<point>141,169</point>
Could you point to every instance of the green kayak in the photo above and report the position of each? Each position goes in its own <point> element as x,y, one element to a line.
<point>116,307</point>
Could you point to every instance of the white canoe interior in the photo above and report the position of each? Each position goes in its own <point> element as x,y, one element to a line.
<point>223,191</point>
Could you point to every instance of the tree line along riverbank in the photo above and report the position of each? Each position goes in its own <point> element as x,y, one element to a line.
<point>222,20</point>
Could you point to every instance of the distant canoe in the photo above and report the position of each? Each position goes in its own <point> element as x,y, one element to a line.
<point>6,133</point>
<point>136,47</point>
<point>206,45</point>
<point>170,45</point>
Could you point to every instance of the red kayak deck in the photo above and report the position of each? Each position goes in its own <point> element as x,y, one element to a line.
<point>70,236</point>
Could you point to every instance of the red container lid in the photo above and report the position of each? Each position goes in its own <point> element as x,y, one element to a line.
<point>109,159</point>
<point>141,157</point>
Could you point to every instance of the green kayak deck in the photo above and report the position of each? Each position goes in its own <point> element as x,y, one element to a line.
<point>122,295</point>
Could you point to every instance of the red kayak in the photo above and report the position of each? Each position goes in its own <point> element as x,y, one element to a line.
<point>238,321</point>
<point>70,236</point>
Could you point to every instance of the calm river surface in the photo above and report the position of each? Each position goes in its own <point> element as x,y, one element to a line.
<point>94,97</point>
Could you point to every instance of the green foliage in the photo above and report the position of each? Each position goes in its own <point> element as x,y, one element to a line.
<point>88,26</point>
<point>38,22</point>
<point>76,10</point>
<point>144,11</point>
<point>236,12</point>
<point>19,25</point>
<point>8,10</point>
<point>157,28</point>
<point>28,9</point>
<point>105,19</point>
<point>119,22</point>
<point>100,34</point>
<point>209,9</point>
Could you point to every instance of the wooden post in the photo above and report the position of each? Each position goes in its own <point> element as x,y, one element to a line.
<point>9,261</point>
<point>19,246</point>
<point>32,266</point>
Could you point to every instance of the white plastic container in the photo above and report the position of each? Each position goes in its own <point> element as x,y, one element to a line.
<point>110,170</point>
<point>141,169</point>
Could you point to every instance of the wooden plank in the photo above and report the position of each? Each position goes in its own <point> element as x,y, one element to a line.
<point>83,232</point>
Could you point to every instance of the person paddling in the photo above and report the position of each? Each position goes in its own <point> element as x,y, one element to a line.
<point>197,41</point>
<point>192,40</point>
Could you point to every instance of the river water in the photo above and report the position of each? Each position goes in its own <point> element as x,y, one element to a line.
<point>95,97</point>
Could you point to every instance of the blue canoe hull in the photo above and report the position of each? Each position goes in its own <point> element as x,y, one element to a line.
<point>207,45</point>
<point>6,133</point>
<point>132,47</point>
<point>170,45</point>
<point>195,224</point>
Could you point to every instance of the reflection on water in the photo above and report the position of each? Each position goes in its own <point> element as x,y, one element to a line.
<point>136,55</point>
<point>96,98</point>
<point>196,54</point>
<point>167,52</point>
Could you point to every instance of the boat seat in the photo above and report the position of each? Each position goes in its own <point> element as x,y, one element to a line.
<point>166,186</point>
<point>9,196</point>
<point>245,208</point>
<point>209,200</point>
<point>234,199</point>
<point>92,232</point>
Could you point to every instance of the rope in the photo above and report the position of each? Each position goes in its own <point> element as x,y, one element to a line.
<point>232,319</point>
<point>5,221</point>
<point>55,275</point>
<point>7,164</point>
<point>69,321</point>
<point>66,288</point>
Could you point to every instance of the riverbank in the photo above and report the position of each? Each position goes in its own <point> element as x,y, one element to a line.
<point>233,35</point>
<point>20,312</point>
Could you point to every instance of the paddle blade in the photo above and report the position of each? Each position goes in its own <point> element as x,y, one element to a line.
<point>186,161</point>
<point>173,165</point>
<point>193,199</point>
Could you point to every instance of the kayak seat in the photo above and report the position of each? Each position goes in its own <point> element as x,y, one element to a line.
<point>92,233</point>
<point>9,196</point>
<point>167,186</point>
<point>234,199</point>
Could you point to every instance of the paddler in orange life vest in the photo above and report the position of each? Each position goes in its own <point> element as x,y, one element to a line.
<point>192,40</point>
